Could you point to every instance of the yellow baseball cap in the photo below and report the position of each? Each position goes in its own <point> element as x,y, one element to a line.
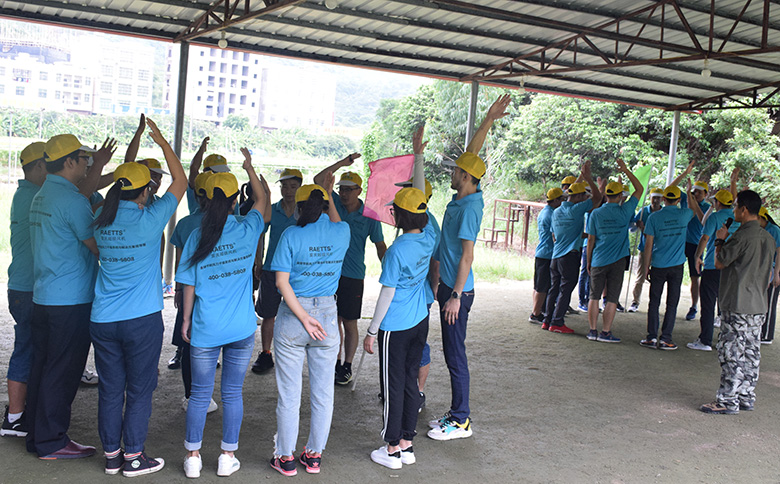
<point>656,192</point>
<point>154,165</point>
<point>763,213</point>
<point>471,164</point>
<point>576,188</point>
<point>410,182</point>
<point>288,173</point>
<point>672,192</point>
<point>701,185</point>
<point>724,197</point>
<point>613,188</point>
<point>132,176</point>
<point>200,182</point>
<point>305,191</point>
<point>226,182</point>
<point>32,152</point>
<point>569,180</point>
<point>554,193</point>
<point>216,163</point>
<point>63,145</point>
<point>349,179</point>
<point>410,199</point>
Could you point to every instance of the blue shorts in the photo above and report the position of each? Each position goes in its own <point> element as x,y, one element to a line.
<point>20,305</point>
<point>426,355</point>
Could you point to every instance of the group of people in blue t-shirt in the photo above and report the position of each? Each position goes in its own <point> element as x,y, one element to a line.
<point>677,227</point>
<point>84,274</point>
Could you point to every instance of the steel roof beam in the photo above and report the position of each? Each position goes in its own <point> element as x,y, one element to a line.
<point>751,92</point>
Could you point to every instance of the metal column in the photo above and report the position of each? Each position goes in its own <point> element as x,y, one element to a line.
<point>673,148</point>
<point>472,112</point>
<point>178,134</point>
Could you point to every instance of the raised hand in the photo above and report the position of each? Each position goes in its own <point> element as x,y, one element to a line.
<point>349,159</point>
<point>104,154</point>
<point>417,141</point>
<point>735,175</point>
<point>155,134</point>
<point>247,165</point>
<point>622,165</point>
<point>204,144</point>
<point>328,182</point>
<point>498,109</point>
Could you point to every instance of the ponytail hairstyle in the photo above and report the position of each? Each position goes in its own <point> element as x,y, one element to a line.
<point>215,213</point>
<point>130,181</point>
<point>310,210</point>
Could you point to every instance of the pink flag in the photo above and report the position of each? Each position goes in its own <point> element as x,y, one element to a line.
<point>385,173</point>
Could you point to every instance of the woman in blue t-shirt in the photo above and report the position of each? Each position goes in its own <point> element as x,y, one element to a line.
<point>401,322</point>
<point>127,326</point>
<point>307,262</point>
<point>216,277</point>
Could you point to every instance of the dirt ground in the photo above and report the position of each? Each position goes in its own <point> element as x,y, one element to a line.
<point>545,407</point>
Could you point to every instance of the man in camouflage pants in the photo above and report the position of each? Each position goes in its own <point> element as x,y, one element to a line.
<point>745,262</point>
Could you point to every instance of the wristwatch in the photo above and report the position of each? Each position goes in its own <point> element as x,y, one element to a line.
<point>718,242</point>
<point>454,295</point>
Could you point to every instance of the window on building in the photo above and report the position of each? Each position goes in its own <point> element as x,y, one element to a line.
<point>106,87</point>
<point>245,71</point>
<point>222,82</point>
<point>42,93</point>
<point>211,81</point>
<point>209,110</point>
<point>246,56</point>
<point>254,90</point>
<point>198,98</point>
<point>255,61</point>
<point>2,89</point>
<point>44,76</point>
<point>202,53</point>
<point>86,98</point>
<point>124,103</point>
<point>143,75</point>
<point>213,52</point>
<point>20,90</point>
<point>232,99</point>
<point>254,76</point>
<point>125,73</point>
<point>22,75</point>
<point>76,99</point>
<point>2,71</point>
<point>243,100</point>
<point>233,83</point>
<point>244,84</point>
<point>57,95</point>
<point>58,77</point>
<point>236,55</point>
<point>66,80</point>
<point>234,69</point>
<point>210,98</point>
<point>253,104</point>
<point>212,66</point>
<point>200,83</point>
<point>200,68</point>
<point>87,81</point>
<point>77,82</point>
<point>223,68</point>
<point>224,54</point>
<point>143,91</point>
<point>124,89</point>
<point>105,104</point>
<point>106,71</point>
<point>231,110</point>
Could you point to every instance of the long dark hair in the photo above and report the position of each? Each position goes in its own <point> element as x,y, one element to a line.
<point>215,215</point>
<point>406,220</point>
<point>111,204</point>
<point>310,210</point>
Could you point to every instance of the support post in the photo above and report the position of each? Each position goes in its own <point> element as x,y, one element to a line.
<point>673,148</point>
<point>470,120</point>
<point>178,134</point>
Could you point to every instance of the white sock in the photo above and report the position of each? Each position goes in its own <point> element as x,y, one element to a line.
<point>13,417</point>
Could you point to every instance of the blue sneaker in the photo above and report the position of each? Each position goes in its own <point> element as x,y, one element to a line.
<point>607,337</point>
<point>691,314</point>
<point>592,335</point>
<point>583,308</point>
<point>450,429</point>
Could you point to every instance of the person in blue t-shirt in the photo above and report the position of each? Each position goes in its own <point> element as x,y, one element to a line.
<point>20,289</point>
<point>567,226</point>
<point>608,253</point>
<point>127,326</point>
<point>640,220</point>
<point>664,256</point>
<point>710,275</point>
<point>543,254</point>
<point>459,231</point>
<point>307,263</point>
<point>401,323</point>
<point>768,328</point>
<point>350,294</point>
<point>64,249</point>
<point>282,216</point>
<point>215,274</point>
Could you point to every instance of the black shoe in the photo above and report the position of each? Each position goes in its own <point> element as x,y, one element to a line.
<point>175,362</point>
<point>344,375</point>
<point>536,318</point>
<point>264,363</point>
<point>114,465</point>
<point>571,310</point>
<point>16,429</point>
<point>691,314</point>
<point>141,465</point>
<point>422,402</point>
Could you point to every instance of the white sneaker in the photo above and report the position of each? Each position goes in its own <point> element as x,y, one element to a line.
<point>407,456</point>
<point>89,377</point>
<point>716,322</point>
<point>391,461</point>
<point>227,465</point>
<point>192,466</point>
<point>436,423</point>
<point>451,430</point>
<point>697,345</point>
<point>634,307</point>
<point>212,405</point>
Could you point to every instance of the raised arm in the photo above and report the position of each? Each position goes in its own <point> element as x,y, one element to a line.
<point>496,111</point>
<point>100,159</point>
<point>197,160</point>
<point>594,189</point>
<point>258,192</point>
<point>319,178</point>
<point>179,178</point>
<point>327,184</point>
<point>733,184</point>
<point>692,203</point>
<point>638,188</point>
<point>132,148</point>
<point>685,173</point>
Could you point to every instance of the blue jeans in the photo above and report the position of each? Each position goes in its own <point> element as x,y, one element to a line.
<point>20,305</point>
<point>126,355</point>
<point>292,344</point>
<point>453,339</point>
<point>235,361</point>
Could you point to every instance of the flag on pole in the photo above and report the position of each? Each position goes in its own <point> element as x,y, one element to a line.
<point>643,174</point>
<point>381,189</point>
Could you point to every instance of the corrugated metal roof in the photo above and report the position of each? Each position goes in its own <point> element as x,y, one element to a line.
<point>642,52</point>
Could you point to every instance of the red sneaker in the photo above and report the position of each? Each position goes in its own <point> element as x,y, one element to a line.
<point>563,329</point>
<point>545,326</point>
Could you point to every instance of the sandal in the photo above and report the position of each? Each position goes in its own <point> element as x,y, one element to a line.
<point>717,408</point>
